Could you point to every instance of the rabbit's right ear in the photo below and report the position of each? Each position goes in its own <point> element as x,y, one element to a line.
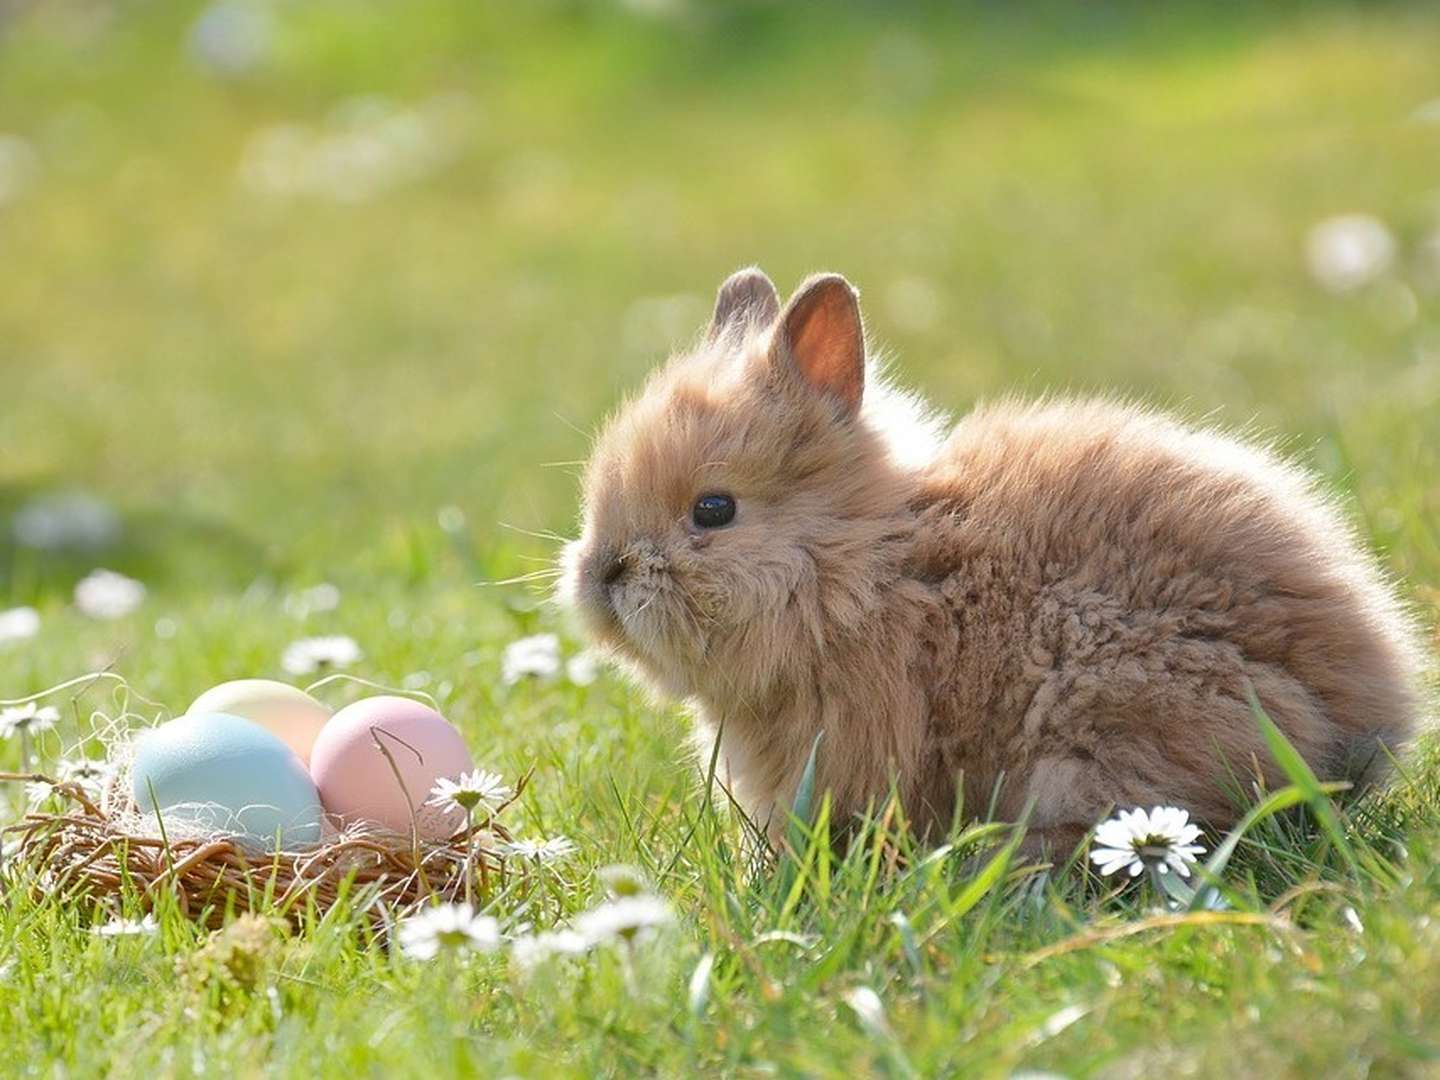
<point>822,339</point>
<point>747,296</point>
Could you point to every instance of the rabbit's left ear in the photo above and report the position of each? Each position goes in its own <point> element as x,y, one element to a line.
<point>747,296</point>
<point>821,337</point>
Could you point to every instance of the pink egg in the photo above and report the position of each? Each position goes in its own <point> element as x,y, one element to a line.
<point>358,784</point>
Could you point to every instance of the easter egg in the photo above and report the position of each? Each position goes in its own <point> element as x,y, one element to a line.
<point>358,782</point>
<point>285,711</point>
<point>224,773</point>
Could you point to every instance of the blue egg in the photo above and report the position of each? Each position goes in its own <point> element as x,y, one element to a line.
<point>227,775</point>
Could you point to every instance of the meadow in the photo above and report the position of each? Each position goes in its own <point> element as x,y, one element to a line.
<point>308,310</point>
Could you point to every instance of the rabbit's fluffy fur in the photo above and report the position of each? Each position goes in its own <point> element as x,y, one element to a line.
<point>1062,603</point>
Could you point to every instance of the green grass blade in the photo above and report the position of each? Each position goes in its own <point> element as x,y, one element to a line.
<point>800,808</point>
<point>1303,777</point>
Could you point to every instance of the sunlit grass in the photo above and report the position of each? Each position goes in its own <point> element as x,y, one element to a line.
<point>389,396</point>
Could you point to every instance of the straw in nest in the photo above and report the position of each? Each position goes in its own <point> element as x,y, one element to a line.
<point>97,854</point>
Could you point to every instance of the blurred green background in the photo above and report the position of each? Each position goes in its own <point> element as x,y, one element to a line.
<point>284,281</point>
<point>308,306</point>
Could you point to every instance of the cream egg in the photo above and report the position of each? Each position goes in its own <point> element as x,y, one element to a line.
<point>288,713</point>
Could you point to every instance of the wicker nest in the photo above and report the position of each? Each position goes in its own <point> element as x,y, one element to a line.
<point>95,854</point>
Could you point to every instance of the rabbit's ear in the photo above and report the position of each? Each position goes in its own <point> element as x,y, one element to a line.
<point>746,297</point>
<point>821,337</point>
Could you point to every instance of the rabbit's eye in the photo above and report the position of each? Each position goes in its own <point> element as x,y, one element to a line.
<point>713,511</point>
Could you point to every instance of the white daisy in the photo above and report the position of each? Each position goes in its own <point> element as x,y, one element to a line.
<point>309,655</point>
<point>36,792</point>
<point>451,518</point>
<point>104,594</point>
<point>231,38</point>
<point>869,1010</point>
<point>582,669</point>
<point>1162,837</point>
<point>1352,920</point>
<point>479,788</point>
<point>627,919</point>
<point>27,719</point>
<point>322,598</point>
<point>698,990</point>
<point>18,624</point>
<point>541,851</point>
<point>66,520</point>
<point>620,881</point>
<point>538,656</point>
<point>120,927</point>
<point>91,776</point>
<point>126,928</point>
<point>1346,252</point>
<point>533,949</point>
<point>448,928</point>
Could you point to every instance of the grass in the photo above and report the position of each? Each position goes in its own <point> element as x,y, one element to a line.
<point>279,391</point>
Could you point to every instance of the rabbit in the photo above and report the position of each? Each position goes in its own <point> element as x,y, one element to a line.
<point>1058,606</point>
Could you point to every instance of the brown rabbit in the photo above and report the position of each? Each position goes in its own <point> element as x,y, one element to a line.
<point>1062,602</point>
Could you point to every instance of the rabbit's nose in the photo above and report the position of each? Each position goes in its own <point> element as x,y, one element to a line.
<point>607,567</point>
<point>613,569</point>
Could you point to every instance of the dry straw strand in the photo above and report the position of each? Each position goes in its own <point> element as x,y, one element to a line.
<point>89,854</point>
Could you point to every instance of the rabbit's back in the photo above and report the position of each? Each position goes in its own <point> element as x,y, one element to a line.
<point>1112,581</point>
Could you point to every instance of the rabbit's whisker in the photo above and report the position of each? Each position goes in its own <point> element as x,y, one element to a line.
<point>553,537</point>
<point>520,579</point>
<point>590,435</point>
